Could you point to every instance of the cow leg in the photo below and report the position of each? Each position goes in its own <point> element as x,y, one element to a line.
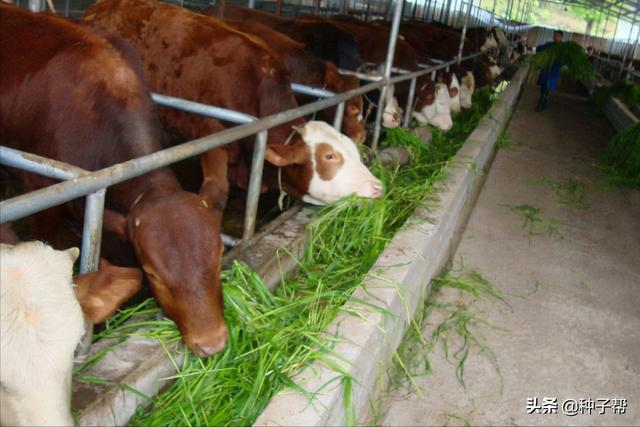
<point>215,185</point>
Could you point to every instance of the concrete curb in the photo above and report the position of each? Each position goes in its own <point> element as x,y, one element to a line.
<point>397,283</point>
<point>619,115</point>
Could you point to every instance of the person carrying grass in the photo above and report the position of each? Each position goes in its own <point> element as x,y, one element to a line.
<point>548,77</point>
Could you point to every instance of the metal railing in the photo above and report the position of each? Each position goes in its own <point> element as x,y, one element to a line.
<point>78,182</point>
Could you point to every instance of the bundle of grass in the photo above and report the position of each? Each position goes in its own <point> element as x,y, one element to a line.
<point>625,91</point>
<point>570,54</point>
<point>620,160</point>
<point>274,335</point>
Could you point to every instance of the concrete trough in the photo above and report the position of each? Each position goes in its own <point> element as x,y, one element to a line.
<point>397,283</point>
<point>615,110</point>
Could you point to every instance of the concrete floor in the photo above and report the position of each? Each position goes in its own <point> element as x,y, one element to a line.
<point>573,330</point>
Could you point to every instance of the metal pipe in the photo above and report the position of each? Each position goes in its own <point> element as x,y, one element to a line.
<point>337,119</point>
<point>407,112</point>
<point>464,30</point>
<point>57,194</point>
<point>202,109</point>
<point>253,193</point>
<point>312,91</point>
<point>493,13</point>
<point>613,39</point>
<point>391,49</point>
<point>90,254</point>
<point>635,48</point>
<point>92,231</point>
<point>37,164</point>
<point>624,57</point>
<point>251,4</point>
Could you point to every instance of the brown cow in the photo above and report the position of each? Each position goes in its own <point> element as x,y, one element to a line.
<point>200,58</point>
<point>309,70</point>
<point>91,105</point>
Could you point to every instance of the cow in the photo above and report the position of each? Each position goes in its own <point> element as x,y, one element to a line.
<point>91,104</point>
<point>306,68</point>
<point>437,108</point>
<point>200,58</point>
<point>42,312</point>
<point>322,39</point>
<point>319,37</point>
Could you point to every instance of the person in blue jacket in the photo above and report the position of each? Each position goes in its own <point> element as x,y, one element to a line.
<point>548,78</point>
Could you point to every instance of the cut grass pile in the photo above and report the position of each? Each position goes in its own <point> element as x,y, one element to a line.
<point>620,160</point>
<point>570,55</point>
<point>450,322</point>
<point>273,335</point>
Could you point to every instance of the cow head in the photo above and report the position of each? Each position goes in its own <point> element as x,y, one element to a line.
<point>41,324</point>
<point>490,42</point>
<point>322,167</point>
<point>176,237</point>
<point>433,105</point>
<point>391,113</point>
<point>451,81</point>
<point>467,87</point>
<point>353,121</point>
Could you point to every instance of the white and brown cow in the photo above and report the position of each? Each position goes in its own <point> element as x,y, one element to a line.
<point>324,167</point>
<point>41,322</point>
<point>433,105</point>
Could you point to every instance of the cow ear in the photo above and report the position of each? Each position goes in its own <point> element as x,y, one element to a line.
<point>73,254</point>
<point>116,223</point>
<point>281,155</point>
<point>101,293</point>
<point>300,129</point>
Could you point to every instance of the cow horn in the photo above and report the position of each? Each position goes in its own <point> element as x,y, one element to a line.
<point>300,129</point>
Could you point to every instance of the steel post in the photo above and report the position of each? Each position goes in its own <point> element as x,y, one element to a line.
<point>628,45</point>
<point>391,49</point>
<point>464,31</point>
<point>635,48</point>
<point>407,112</point>
<point>251,4</point>
<point>613,39</point>
<point>337,119</point>
<point>37,5</point>
<point>253,193</point>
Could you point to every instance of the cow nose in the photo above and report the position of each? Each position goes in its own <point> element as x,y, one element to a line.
<point>210,346</point>
<point>376,189</point>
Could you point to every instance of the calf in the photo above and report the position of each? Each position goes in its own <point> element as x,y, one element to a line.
<point>41,313</point>
<point>88,96</point>
<point>200,58</point>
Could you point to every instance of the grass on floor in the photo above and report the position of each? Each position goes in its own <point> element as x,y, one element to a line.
<point>570,192</point>
<point>535,223</point>
<point>458,329</point>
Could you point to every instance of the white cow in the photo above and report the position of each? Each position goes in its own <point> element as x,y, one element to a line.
<point>41,323</point>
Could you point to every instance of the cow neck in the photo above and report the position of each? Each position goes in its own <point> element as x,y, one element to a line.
<point>154,184</point>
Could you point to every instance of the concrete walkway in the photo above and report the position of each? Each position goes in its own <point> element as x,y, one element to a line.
<point>573,327</point>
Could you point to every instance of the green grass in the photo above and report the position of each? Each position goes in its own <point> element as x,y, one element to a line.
<point>569,192</point>
<point>458,331</point>
<point>274,335</point>
<point>570,55</point>
<point>535,223</point>
<point>620,159</point>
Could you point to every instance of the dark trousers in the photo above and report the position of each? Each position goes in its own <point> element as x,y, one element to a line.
<point>544,98</point>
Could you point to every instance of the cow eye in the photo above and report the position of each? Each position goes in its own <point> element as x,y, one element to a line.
<point>330,156</point>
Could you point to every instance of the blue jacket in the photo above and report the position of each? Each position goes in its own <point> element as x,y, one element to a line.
<point>548,77</point>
